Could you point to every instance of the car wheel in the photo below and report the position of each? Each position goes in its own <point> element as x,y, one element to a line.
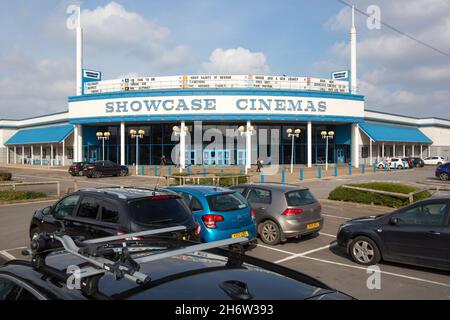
<point>96,174</point>
<point>439,163</point>
<point>443,176</point>
<point>400,167</point>
<point>364,251</point>
<point>34,233</point>
<point>380,166</point>
<point>270,233</point>
<point>123,173</point>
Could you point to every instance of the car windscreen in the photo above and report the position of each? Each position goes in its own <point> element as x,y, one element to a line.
<point>299,197</point>
<point>228,201</point>
<point>155,211</point>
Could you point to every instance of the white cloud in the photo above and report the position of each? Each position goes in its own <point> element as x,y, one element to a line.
<point>235,61</point>
<point>394,71</point>
<point>30,87</point>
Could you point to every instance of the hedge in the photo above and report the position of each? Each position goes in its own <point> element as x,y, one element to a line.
<point>342,194</point>
<point>5,176</point>
<point>12,195</point>
<point>224,181</point>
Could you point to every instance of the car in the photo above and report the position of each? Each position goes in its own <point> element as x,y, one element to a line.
<point>409,162</point>
<point>282,211</point>
<point>434,161</point>
<point>100,212</point>
<point>416,162</point>
<point>162,268</point>
<point>76,169</point>
<point>443,171</point>
<point>395,163</point>
<point>222,213</point>
<point>100,169</point>
<point>418,234</point>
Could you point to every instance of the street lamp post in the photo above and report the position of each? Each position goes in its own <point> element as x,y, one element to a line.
<point>293,134</point>
<point>103,136</point>
<point>247,132</point>
<point>327,135</point>
<point>137,135</point>
<point>181,133</point>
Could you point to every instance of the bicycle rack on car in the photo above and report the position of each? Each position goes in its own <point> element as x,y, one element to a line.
<point>125,267</point>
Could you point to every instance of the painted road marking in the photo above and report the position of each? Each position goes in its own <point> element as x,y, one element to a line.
<point>304,256</point>
<point>337,217</point>
<point>7,255</point>
<point>26,203</point>
<point>327,234</point>
<point>305,253</point>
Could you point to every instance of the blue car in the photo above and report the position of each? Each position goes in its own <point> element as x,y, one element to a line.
<point>443,171</point>
<point>222,213</point>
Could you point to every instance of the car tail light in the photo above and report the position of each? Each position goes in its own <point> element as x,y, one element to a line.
<point>74,168</point>
<point>119,233</point>
<point>197,230</point>
<point>292,212</point>
<point>252,213</point>
<point>210,220</point>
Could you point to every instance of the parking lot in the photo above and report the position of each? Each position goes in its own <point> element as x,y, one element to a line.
<point>318,256</point>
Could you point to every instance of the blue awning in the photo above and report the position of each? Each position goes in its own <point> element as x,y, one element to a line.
<point>54,134</point>
<point>391,133</point>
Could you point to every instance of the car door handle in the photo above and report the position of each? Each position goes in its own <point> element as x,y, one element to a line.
<point>435,233</point>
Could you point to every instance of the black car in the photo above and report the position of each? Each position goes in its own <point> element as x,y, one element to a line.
<point>76,169</point>
<point>163,268</point>
<point>95,213</point>
<point>418,234</point>
<point>416,162</point>
<point>100,169</point>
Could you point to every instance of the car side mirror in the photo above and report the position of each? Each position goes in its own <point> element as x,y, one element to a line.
<point>47,210</point>
<point>393,221</point>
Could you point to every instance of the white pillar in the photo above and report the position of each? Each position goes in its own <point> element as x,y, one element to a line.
<point>309,144</point>
<point>32,153</point>
<point>370,152</point>
<point>15,155</point>
<point>394,154</point>
<point>382,150</point>
<point>42,154</point>
<point>355,145</point>
<point>248,147</point>
<point>79,63</point>
<point>51,155</point>
<point>182,146</point>
<point>75,143</point>
<point>353,78</point>
<point>78,145</point>
<point>429,150</point>
<point>122,143</point>
<point>64,153</point>
<point>378,153</point>
<point>404,150</point>
<point>421,151</point>
<point>412,151</point>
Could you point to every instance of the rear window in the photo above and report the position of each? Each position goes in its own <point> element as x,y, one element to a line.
<point>148,211</point>
<point>226,202</point>
<point>299,197</point>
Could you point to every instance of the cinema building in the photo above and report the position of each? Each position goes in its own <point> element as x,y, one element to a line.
<point>207,112</point>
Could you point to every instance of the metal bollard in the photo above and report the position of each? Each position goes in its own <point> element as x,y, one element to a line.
<point>375,167</point>
<point>262,177</point>
<point>363,168</point>
<point>301,174</point>
<point>188,171</point>
<point>319,172</point>
<point>155,171</point>
<point>170,171</point>
<point>336,171</point>
<point>395,166</point>
<point>283,176</point>
<point>349,170</point>
<point>204,172</point>
<point>142,170</point>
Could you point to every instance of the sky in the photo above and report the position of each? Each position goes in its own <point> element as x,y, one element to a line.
<point>293,37</point>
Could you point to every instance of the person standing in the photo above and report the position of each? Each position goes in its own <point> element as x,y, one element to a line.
<point>259,165</point>
<point>163,160</point>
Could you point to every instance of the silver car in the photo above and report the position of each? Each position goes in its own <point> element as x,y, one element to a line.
<point>282,210</point>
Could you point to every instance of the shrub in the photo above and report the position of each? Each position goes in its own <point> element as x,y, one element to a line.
<point>12,195</point>
<point>5,176</point>
<point>343,194</point>
<point>224,181</point>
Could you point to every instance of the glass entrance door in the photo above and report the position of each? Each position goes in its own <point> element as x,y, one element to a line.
<point>241,157</point>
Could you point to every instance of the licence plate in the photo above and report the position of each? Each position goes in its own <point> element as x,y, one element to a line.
<point>240,234</point>
<point>312,225</point>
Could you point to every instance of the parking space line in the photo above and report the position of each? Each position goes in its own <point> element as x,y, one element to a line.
<point>275,249</point>
<point>381,271</point>
<point>327,235</point>
<point>26,203</point>
<point>305,253</point>
<point>7,255</point>
<point>337,217</point>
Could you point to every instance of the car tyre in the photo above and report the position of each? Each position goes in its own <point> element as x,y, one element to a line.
<point>270,233</point>
<point>444,176</point>
<point>123,173</point>
<point>365,251</point>
<point>439,163</point>
<point>96,174</point>
<point>399,166</point>
<point>380,166</point>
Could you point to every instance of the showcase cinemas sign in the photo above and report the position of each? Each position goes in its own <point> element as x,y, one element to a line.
<point>209,105</point>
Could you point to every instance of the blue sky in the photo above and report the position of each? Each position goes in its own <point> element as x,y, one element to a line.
<point>294,37</point>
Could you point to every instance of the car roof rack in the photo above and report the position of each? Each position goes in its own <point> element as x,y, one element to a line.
<point>125,267</point>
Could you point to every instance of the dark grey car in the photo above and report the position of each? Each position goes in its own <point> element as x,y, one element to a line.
<point>282,210</point>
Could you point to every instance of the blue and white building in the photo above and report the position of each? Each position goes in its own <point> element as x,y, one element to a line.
<point>208,110</point>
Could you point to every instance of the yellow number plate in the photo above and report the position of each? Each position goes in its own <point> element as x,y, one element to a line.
<point>240,234</point>
<point>312,225</point>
